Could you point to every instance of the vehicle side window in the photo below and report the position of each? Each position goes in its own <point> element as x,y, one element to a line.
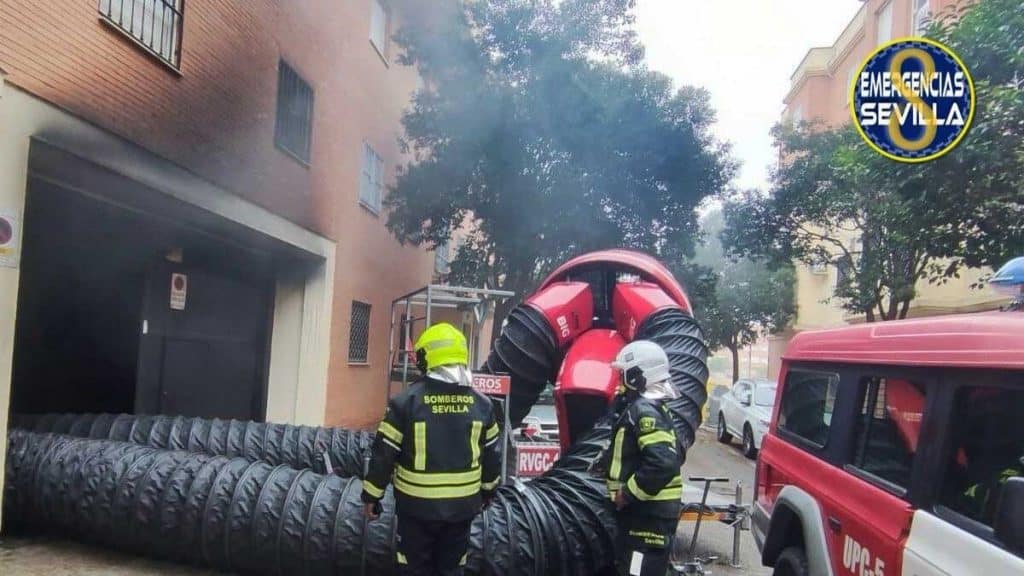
<point>740,389</point>
<point>888,428</point>
<point>987,432</point>
<point>808,400</point>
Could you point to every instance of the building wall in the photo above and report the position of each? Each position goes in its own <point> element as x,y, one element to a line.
<point>216,117</point>
<point>820,92</point>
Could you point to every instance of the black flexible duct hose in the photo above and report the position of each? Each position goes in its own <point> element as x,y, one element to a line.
<point>681,338</point>
<point>296,446</point>
<point>249,516</point>
<point>255,518</point>
<point>528,351</point>
<point>227,513</point>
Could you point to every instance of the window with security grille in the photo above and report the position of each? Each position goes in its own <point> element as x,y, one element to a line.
<point>153,24</point>
<point>294,126</point>
<point>359,333</point>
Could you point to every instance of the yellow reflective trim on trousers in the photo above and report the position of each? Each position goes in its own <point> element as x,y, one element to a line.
<point>615,470</point>
<point>372,489</point>
<point>474,443</point>
<point>492,432</point>
<point>437,478</point>
<point>462,561</point>
<point>419,432</point>
<point>666,493</point>
<point>613,488</point>
<point>437,492</point>
<point>657,437</point>
<point>490,485</point>
<point>402,559</point>
<point>390,432</point>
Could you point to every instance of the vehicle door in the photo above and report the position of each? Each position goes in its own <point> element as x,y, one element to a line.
<point>967,524</point>
<point>870,510</point>
<point>737,406</point>
<point>798,455</point>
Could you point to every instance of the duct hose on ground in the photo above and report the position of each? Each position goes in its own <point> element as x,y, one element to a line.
<point>248,516</point>
<point>296,446</point>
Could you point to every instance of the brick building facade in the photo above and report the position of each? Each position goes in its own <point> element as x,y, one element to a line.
<point>178,134</point>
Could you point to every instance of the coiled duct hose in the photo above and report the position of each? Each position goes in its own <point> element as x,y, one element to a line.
<point>227,513</point>
<point>527,350</point>
<point>681,338</point>
<point>256,518</point>
<point>296,446</point>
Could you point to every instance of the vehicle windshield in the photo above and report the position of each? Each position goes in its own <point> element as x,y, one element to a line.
<point>764,396</point>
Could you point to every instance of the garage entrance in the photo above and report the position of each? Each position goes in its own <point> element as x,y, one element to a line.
<point>120,310</point>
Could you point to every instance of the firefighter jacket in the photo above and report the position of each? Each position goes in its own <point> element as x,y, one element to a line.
<point>644,461</point>
<point>439,444</point>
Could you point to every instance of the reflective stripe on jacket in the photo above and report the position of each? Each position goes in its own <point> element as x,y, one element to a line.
<point>439,444</point>
<point>644,461</point>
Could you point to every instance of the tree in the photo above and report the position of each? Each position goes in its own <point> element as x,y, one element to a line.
<point>736,300</point>
<point>886,225</point>
<point>540,127</point>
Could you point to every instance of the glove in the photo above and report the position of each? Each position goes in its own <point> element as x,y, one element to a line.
<point>372,510</point>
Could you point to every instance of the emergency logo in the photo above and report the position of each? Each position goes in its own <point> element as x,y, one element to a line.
<point>912,100</point>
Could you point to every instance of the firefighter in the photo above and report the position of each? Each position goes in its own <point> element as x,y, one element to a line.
<point>439,442</point>
<point>643,464</point>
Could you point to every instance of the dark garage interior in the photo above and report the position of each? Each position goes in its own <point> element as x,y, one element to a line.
<point>97,331</point>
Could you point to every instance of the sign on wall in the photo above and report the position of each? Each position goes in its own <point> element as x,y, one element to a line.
<point>9,252</point>
<point>535,459</point>
<point>179,291</point>
<point>492,384</point>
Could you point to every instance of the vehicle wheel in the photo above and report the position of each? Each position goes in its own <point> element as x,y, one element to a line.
<point>748,442</point>
<point>723,433</point>
<point>791,562</point>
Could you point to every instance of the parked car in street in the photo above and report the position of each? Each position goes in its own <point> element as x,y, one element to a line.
<point>541,423</point>
<point>897,448</point>
<point>714,401</point>
<point>744,413</point>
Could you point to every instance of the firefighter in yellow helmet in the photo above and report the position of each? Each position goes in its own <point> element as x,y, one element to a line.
<point>439,442</point>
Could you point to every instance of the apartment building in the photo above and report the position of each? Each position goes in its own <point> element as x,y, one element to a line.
<point>190,194</point>
<point>820,92</point>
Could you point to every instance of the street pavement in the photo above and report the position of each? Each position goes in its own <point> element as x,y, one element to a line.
<point>707,457</point>
<point>55,557</point>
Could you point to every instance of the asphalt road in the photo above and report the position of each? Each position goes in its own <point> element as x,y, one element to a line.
<point>708,457</point>
<point>55,557</point>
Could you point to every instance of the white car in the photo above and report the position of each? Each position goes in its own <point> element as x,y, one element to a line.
<point>745,412</point>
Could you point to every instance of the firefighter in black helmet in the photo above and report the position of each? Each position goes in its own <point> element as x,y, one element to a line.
<point>643,464</point>
<point>439,441</point>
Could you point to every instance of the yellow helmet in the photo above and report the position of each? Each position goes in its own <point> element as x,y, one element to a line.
<point>439,345</point>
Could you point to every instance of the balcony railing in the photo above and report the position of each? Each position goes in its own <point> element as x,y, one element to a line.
<point>153,24</point>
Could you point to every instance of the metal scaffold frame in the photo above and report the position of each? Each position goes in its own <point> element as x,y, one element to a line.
<point>405,313</point>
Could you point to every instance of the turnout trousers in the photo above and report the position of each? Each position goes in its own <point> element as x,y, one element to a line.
<point>432,548</point>
<point>644,545</point>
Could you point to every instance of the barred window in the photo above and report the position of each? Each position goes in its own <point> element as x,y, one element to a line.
<point>294,124</point>
<point>154,24</point>
<point>359,333</point>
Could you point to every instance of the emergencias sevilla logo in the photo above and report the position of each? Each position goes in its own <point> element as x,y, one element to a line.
<point>912,100</point>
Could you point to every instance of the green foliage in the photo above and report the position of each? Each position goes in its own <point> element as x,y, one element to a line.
<point>540,127</point>
<point>887,225</point>
<point>736,300</point>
